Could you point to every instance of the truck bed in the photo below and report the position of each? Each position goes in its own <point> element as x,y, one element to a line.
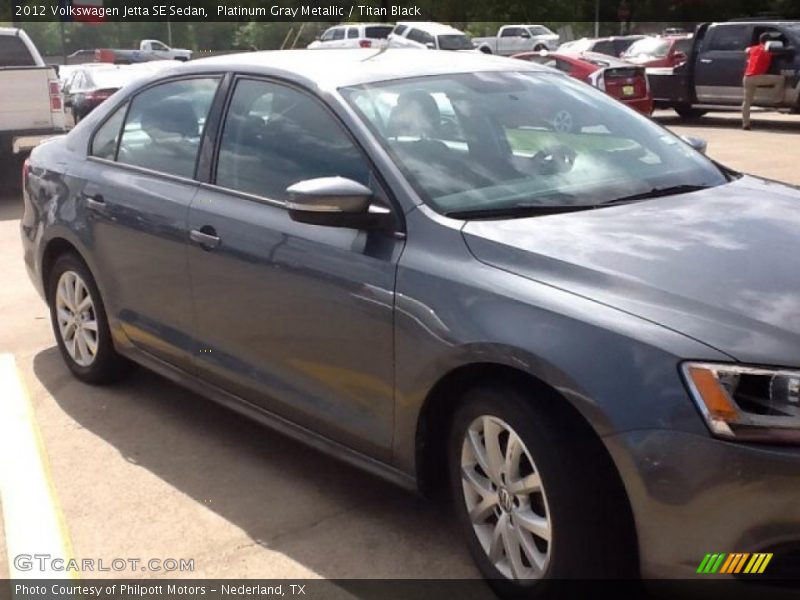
<point>25,100</point>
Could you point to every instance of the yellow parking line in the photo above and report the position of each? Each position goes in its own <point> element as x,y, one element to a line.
<point>33,522</point>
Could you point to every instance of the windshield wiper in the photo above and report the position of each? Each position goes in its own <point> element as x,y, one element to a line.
<point>518,211</point>
<point>657,192</point>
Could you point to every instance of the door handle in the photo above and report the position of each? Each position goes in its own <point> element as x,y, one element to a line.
<point>206,237</point>
<point>706,61</point>
<point>95,202</point>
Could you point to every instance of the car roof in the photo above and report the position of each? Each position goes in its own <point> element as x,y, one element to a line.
<point>610,61</point>
<point>636,36</point>
<point>430,27</point>
<point>338,68</point>
<point>757,21</point>
<point>369,24</point>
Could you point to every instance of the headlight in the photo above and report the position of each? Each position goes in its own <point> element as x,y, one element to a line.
<point>747,403</point>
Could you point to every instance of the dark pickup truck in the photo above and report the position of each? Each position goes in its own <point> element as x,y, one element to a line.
<point>712,73</point>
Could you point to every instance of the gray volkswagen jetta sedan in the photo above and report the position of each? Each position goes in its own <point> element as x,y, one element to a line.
<point>455,271</point>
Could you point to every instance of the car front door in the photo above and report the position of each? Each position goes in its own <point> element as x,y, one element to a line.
<point>720,64</point>
<point>509,41</point>
<point>293,317</point>
<point>138,184</point>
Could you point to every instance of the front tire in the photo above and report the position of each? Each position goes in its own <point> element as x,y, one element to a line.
<point>532,495</point>
<point>80,323</point>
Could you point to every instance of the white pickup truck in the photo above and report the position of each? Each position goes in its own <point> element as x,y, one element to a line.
<point>513,39</point>
<point>148,50</point>
<point>31,105</point>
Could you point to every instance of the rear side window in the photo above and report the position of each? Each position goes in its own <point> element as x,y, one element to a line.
<point>352,33</point>
<point>417,35</point>
<point>511,32</point>
<point>104,143</point>
<point>275,136</point>
<point>400,29</point>
<point>14,52</point>
<point>377,32</point>
<point>604,47</point>
<point>164,124</point>
<point>729,38</point>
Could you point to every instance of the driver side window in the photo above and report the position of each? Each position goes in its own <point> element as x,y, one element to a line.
<point>275,136</point>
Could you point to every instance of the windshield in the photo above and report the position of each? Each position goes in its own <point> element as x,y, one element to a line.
<point>656,47</point>
<point>455,42</point>
<point>496,140</point>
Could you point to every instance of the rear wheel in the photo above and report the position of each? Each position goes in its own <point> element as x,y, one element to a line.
<point>687,112</point>
<point>533,499</point>
<point>80,323</point>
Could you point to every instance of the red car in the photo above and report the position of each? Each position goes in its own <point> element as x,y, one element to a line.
<point>663,51</point>
<point>621,80</point>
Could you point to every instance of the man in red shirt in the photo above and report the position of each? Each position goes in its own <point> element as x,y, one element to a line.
<point>757,75</point>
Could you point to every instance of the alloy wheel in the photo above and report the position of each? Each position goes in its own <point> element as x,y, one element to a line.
<point>505,499</point>
<point>77,319</point>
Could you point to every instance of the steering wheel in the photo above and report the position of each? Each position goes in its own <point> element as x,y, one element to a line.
<point>563,121</point>
<point>556,158</point>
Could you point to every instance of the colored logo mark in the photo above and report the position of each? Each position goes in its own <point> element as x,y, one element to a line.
<point>737,562</point>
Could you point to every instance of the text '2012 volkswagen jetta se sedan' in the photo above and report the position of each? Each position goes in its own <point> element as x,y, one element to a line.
<point>448,269</point>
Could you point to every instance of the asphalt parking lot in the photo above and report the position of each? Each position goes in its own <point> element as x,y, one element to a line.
<point>147,470</point>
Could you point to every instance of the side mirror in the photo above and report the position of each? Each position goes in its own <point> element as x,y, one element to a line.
<point>774,46</point>
<point>525,34</point>
<point>334,202</point>
<point>697,143</point>
<point>430,46</point>
<point>680,57</point>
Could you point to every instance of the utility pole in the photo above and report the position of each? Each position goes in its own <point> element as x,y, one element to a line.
<point>596,18</point>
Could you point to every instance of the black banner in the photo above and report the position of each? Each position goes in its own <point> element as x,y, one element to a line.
<point>377,589</point>
<point>451,11</point>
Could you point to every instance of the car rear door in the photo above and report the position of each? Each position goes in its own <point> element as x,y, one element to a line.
<point>138,184</point>
<point>293,317</point>
<point>720,63</point>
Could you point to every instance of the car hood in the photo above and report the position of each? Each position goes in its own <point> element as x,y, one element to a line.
<point>720,265</point>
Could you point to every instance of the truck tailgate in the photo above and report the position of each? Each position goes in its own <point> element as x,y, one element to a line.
<point>25,101</point>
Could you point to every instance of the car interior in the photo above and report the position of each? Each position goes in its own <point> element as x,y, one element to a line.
<point>275,136</point>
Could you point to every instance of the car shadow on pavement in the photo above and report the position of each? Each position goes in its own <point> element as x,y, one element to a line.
<point>764,121</point>
<point>328,516</point>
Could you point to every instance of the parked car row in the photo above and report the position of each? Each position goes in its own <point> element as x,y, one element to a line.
<point>619,79</point>
<point>510,39</point>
